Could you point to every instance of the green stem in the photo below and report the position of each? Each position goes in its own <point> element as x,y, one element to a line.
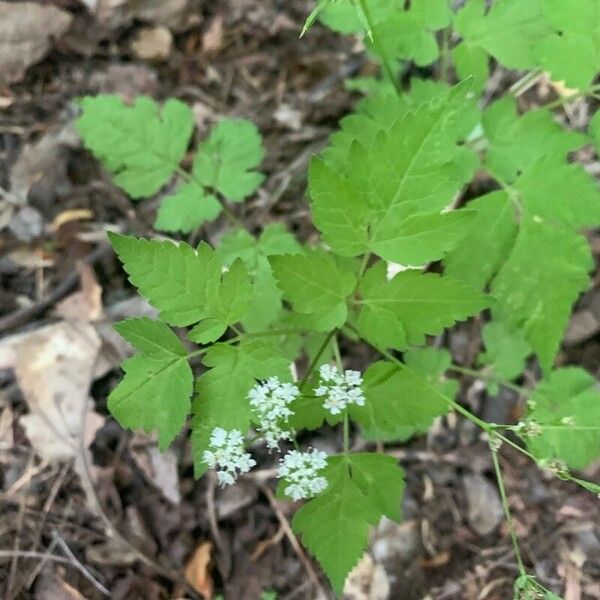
<point>336,353</point>
<point>444,74</point>
<point>272,333</point>
<point>507,513</point>
<point>346,434</point>
<point>489,377</point>
<point>315,360</point>
<point>379,50</point>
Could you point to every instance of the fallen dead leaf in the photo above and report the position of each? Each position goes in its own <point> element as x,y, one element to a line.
<point>54,368</point>
<point>113,551</point>
<point>113,14</point>
<point>86,304</point>
<point>40,172</point>
<point>212,40</point>
<point>367,581</point>
<point>49,586</point>
<point>6,429</point>
<point>159,468</point>
<point>197,572</point>
<point>152,43</point>
<point>31,258</point>
<point>484,507</point>
<point>26,32</point>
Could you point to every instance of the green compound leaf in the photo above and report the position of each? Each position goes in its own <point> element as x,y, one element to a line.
<point>187,209</point>
<point>344,224</point>
<point>515,143</point>
<point>531,300</point>
<point>505,350</point>
<point>491,237</point>
<point>431,364</point>
<point>176,279</point>
<point>414,303</point>
<point>265,302</point>
<point>335,525</point>
<point>316,285</point>
<point>384,188</point>
<point>140,145</point>
<point>560,193</point>
<point>471,61</point>
<point>410,34</point>
<point>572,50</point>
<point>422,237</point>
<point>398,398</point>
<point>509,31</point>
<point>155,392</point>
<point>567,409</point>
<point>403,32</point>
<point>222,392</point>
<point>226,304</point>
<point>227,160</point>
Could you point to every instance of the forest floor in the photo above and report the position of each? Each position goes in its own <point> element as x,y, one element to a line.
<point>88,510</point>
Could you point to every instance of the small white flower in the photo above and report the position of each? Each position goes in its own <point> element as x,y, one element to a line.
<point>301,472</point>
<point>339,389</point>
<point>270,403</point>
<point>329,373</point>
<point>226,454</point>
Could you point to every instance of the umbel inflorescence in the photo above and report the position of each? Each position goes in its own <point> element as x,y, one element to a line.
<point>271,403</point>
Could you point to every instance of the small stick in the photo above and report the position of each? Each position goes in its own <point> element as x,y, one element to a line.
<point>293,540</point>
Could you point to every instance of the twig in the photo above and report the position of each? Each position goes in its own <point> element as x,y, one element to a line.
<point>78,565</point>
<point>293,540</point>
<point>214,525</point>
<point>22,315</point>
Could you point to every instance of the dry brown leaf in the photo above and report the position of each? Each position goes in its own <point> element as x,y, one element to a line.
<point>197,572</point>
<point>152,43</point>
<point>31,258</point>
<point>212,40</point>
<point>86,304</point>
<point>113,14</point>
<point>26,32</point>
<point>49,586</point>
<point>160,468</point>
<point>367,581</point>
<point>7,440</point>
<point>54,368</point>
<point>40,172</point>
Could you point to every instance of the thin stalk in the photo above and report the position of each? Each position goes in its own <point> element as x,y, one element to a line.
<point>272,333</point>
<point>316,359</point>
<point>507,513</point>
<point>346,434</point>
<point>336,353</point>
<point>379,50</point>
<point>488,377</point>
<point>444,64</point>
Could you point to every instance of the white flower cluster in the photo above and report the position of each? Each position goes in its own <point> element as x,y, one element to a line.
<point>226,451</point>
<point>340,389</point>
<point>270,402</point>
<point>301,472</point>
